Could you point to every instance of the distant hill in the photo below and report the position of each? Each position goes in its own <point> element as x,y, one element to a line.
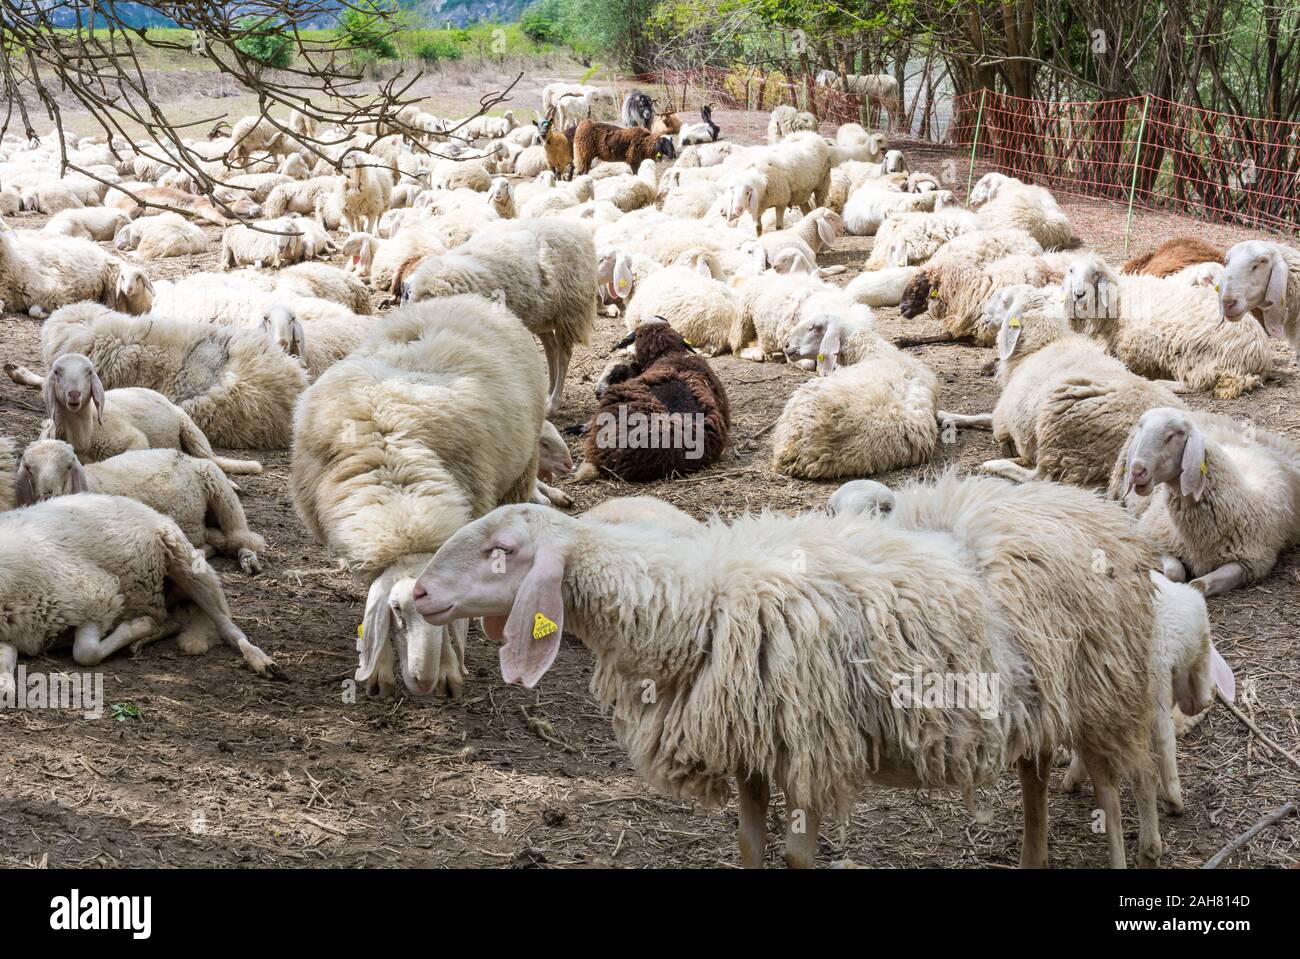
<point>436,12</point>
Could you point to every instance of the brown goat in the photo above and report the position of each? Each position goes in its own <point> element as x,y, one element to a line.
<point>604,141</point>
<point>666,124</point>
<point>1169,258</point>
<point>558,146</point>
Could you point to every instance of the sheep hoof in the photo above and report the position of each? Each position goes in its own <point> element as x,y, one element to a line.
<point>1174,802</point>
<point>1199,586</point>
<point>754,353</point>
<point>249,562</point>
<point>37,313</point>
<point>263,665</point>
<point>194,643</point>
<point>587,472</point>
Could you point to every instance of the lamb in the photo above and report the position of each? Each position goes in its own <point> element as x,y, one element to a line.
<point>545,270</point>
<point>1263,279</point>
<point>662,414</point>
<point>1174,255</point>
<point>114,573</point>
<point>706,131</point>
<point>1187,669</point>
<point>186,489</point>
<point>604,141</point>
<point>977,590</point>
<point>157,237</point>
<point>786,120</point>
<point>957,293</point>
<point>236,387</point>
<point>872,416</point>
<point>87,223</point>
<point>1162,328</point>
<point>433,421</point>
<point>1066,406</point>
<point>1220,499</point>
<point>907,239</point>
<point>99,424</point>
<point>697,306</point>
<point>267,242</point>
<point>796,172</point>
<point>42,273</point>
<point>638,110</point>
<point>870,204</point>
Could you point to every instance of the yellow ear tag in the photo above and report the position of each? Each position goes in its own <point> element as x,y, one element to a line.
<point>687,342</point>
<point>1014,323</point>
<point>1216,288</point>
<point>1205,470</point>
<point>542,626</point>
<point>933,294</point>
<point>821,357</point>
<point>902,261</point>
<point>622,284</point>
<point>360,630</point>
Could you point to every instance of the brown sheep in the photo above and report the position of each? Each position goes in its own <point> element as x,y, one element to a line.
<point>604,141</point>
<point>201,208</point>
<point>1169,258</point>
<point>663,413</point>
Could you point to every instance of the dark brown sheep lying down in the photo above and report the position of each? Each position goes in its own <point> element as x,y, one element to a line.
<point>664,412</point>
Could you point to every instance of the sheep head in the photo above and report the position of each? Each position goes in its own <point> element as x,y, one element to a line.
<point>280,323</point>
<point>918,293</point>
<point>1255,278</point>
<point>391,626</point>
<point>1166,446</point>
<point>553,456</point>
<point>49,468</point>
<point>861,498</point>
<point>70,384</point>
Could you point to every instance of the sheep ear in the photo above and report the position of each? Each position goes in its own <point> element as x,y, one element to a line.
<point>825,230</point>
<point>1222,674</point>
<point>97,394</point>
<point>1192,481</point>
<point>1103,296</point>
<point>702,267</point>
<point>24,491</point>
<point>77,478</point>
<point>47,393</point>
<point>536,622</point>
<point>298,340</point>
<point>751,204</point>
<point>828,353</point>
<point>1275,298</point>
<point>1008,337</point>
<point>623,278</point>
<point>372,637</point>
<point>1133,442</point>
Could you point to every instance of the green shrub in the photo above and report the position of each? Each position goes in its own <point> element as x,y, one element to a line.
<point>439,46</point>
<point>367,29</point>
<point>538,26</point>
<point>265,43</point>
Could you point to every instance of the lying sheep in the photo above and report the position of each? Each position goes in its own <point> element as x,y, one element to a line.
<point>330,333</point>
<point>1187,670</point>
<point>663,413</point>
<point>88,223</point>
<point>1031,209</point>
<point>157,237</point>
<point>786,120</point>
<point>192,492</point>
<point>813,233</point>
<point>870,204</point>
<point>433,421</point>
<point>101,423</point>
<point>553,461</point>
<point>962,579</point>
<point>39,274</point>
<point>325,282</point>
<point>544,271</point>
<point>1164,329</point>
<point>1066,405</point>
<point>632,192</point>
<point>1174,255</point>
<point>697,306</point>
<point>874,415</point>
<point>235,385</point>
<point>861,498</point>
<point>909,239</point>
<point>1263,279</point>
<point>1220,499</point>
<point>304,197</point>
<point>113,573</point>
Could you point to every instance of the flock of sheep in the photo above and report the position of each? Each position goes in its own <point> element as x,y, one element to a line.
<point>422,452</point>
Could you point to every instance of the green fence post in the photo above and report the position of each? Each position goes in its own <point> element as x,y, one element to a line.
<point>979,120</point>
<point>1137,155</point>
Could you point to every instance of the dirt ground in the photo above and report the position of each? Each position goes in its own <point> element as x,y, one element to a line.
<point>222,768</point>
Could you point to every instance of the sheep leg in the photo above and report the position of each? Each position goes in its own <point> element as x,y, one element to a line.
<point>1167,755</point>
<point>1034,773</point>
<point>8,663</point>
<point>1173,386</point>
<point>1227,577</point>
<point>23,376</point>
<point>973,421</point>
<point>1106,796</point>
<point>199,582</point>
<point>561,373</point>
<point>753,798</point>
<point>801,844</point>
<point>1009,469</point>
<point>545,494</point>
<point>1173,569</point>
<point>89,648</point>
<point>1149,845</point>
<point>1075,775</point>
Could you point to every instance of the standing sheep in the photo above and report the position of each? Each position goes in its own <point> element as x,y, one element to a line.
<point>545,271</point>
<point>433,421</point>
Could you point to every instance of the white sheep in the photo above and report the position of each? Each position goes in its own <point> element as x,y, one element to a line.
<point>869,205</point>
<point>844,615</point>
<point>1164,328</point>
<point>42,273</point>
<point>875,414</point>
<point>1031,209</point>
<point>192,492</point>
<point>8,469</point>
<point>362,197</point>
<point>879,88</point>
<point>325,282</point>
<point>318,332</point>
<point>264,243</point>
<point>113,573</point>
<point>908,239</point>
<point>305,197</point>
<point>786,120</point>
<point>87,223</point>
<point>1263,279</point>
<point>795,172</point>
<point>156,237</point>
<point>861,497</point>
<point>434,421</point>
<point>881,287</point>
<point>544,271</point>
<point>700,308</point>
<point>1220,499</point>
<point>236,386</point>
<point>630,192</point>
